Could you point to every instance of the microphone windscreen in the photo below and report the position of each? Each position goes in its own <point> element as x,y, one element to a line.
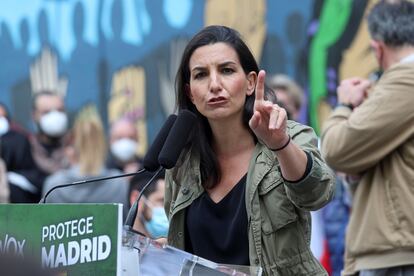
<point>177,139</point>
<point>151,158</point>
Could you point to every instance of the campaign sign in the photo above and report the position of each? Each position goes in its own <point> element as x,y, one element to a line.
<point>77,239</point>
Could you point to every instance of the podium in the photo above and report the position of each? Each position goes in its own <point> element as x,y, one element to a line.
<point>89,239</point>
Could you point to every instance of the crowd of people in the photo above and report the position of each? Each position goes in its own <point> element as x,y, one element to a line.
<point>250,177</point>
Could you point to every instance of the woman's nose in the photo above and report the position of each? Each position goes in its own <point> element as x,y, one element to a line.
<point>215,82</point>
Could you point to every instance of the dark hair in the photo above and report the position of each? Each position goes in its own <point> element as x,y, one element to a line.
<point>140,180</point>
<point>200,140</point>
<point>392,22</point>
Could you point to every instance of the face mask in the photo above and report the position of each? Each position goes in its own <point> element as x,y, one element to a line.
<point>124,149</point>
<point>157,226</point>
<point>4,126</point>
<point>54,123</point>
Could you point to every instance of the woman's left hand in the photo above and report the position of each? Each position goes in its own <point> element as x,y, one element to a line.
<point>269,120</point>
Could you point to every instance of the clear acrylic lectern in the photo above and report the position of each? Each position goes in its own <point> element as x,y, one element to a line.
<point>143,256</point>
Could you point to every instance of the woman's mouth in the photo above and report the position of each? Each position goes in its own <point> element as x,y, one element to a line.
<point>217,101</point>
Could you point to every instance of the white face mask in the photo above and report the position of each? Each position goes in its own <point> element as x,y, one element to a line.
<point>4,126</point>
<point>54,123</point>
<point>124,149</point>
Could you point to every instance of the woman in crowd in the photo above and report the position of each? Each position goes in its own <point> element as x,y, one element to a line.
<point>243,187</point>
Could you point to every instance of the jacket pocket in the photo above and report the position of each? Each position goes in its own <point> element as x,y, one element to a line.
<point>276,209</point>
<point>285,250</point>
<point>303,264</point>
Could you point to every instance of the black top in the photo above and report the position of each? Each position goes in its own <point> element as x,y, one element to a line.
<point>218,231</point>
<point>15,150</point>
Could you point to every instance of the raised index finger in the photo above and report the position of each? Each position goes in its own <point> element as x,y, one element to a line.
<point>260,85</point>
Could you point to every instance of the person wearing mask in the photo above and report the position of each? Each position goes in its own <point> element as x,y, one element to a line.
<point>123,147</point>
<point>19,178</point>
<point>51,122</point>
<point>151,219</point>
<point>87,154</point>
<point>244,185</point>
<point>372,135</point>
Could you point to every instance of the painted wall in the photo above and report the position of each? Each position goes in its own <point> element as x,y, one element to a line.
<point>122,54</point>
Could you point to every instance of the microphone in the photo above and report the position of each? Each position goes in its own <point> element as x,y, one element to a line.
<point>151,158</point>
<point>174,144</point>
<point>150,162</point>
<point>177,138</point>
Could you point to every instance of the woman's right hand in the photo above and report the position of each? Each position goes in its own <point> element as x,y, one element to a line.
<point>269,120</point>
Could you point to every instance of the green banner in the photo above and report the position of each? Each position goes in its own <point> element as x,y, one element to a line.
<point>77,239</point>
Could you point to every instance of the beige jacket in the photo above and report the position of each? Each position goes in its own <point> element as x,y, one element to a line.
<point>376,140</point>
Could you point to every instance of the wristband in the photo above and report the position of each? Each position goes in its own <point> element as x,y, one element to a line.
<point>282,147</point>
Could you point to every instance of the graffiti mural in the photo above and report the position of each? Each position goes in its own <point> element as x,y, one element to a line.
<point>122,55</point>
<point>338,49</point>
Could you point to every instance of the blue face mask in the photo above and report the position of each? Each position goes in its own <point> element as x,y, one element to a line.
<point>157,226</point>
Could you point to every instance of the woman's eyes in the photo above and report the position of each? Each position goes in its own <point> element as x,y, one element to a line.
<point>225,70</point>
<point>200,75</point>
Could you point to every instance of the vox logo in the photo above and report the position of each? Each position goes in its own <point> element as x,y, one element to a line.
<point>11,245</point>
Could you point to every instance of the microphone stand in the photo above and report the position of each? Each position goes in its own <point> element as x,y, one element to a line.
<point>43,200</point>
<point>129,222</point>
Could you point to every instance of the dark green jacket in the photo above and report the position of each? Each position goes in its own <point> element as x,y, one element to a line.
<point>278,211</point>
